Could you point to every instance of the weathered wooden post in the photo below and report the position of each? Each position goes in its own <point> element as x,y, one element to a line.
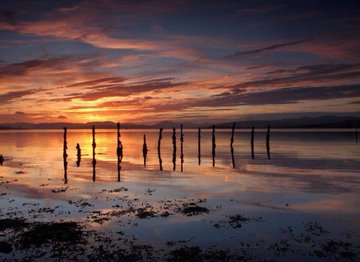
<point>231,145</point>
<point>1,160</point>
<point>199,146</point>
<point>174,148</point>
<point>119,151</point>
<point>268,141</point>
<point>213,144</point>
<point>65,155</point>
<point>78,154</point>
<point>159,153</point>
<point>93,153</point>
<point>182,147</point>
<point>144,150</point>
<point>252,142</point>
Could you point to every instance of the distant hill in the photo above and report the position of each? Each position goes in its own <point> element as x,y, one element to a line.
<point>303,122</point>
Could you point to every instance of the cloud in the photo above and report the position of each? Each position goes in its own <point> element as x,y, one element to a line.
<point>22,68</point>
<point>11,96</point>
<point>115,89</point>
<point>268,48</point>
<point>310,73</point>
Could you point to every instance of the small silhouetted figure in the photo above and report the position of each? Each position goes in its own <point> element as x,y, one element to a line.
<point>252,142</point>
<point>231,145</point>
<point>199,146</point>
<point>356,135</point>
<point>144,150</point>
<point>182,148</point>
<point>93,153</point>
<point>174,148</point>
<point>268,141</point>
<point>65,155</point>
<point>159,153</point>
<point>78,154</point>
<point>213,139</point>
<point>1,160</point>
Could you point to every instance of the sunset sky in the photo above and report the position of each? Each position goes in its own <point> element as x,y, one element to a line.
<point>199,61</point>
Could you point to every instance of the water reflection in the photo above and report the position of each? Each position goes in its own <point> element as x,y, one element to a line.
<point>213,140</point>
<point>93,154</point>
<point>252,142</point>
<point>144,150</point>
<point>268,142</point>
<point>182,148</point>
<point>199,146</point>
<point>232,145</point>
<point>174,148</point>
<point>119,152</point>
<point>65,155</point>
<point>78,155</point>
<point>158,149</point>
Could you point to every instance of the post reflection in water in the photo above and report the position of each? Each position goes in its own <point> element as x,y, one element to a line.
<point>119,151</point>
<point>252,142</point>
<point>93,153</point>
<point>65,155</point>
<point>174,148</point>
<point>213,145</point>
<point>268,142</point>
<point>144,150</point>
<point>182,148</point>
<point>158,149</point>
<point>199,146</point>
<point>231,145</point>
<point>78,155</point>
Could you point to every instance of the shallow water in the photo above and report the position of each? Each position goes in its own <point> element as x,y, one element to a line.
<point>312,177</point>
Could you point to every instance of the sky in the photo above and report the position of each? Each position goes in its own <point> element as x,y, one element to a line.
<point>198,61</point>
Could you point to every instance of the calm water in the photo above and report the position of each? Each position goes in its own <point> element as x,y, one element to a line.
<point>312,177</point>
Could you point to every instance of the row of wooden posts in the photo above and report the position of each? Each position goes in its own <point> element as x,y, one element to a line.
<point>119,149</point>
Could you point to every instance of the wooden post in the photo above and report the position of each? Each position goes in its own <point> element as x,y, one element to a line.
<point>144,150</point>
<point>182,148</point>
<point>231,145</point>
<point>199,146</point>
<point>78,154</point>
<point>2,159</point>
<point>268,141</point>
<point>93,153</point>
<point>252,142</point>
<point>174,148</point>
<point>65,155</point>
<point>213,144</point>
<point>356,134</point>
<point>159,153</point>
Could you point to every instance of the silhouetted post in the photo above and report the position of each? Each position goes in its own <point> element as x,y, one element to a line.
<point>174,148</point>
<point>213,144</point>
<point>93,153</point>
<point>199,146</point>
<point>78,154</point>
<point>119,151</point>
<point>268,141</point>
<point>231,145</point>
<point>356,135</point>
<point>1,160</point>
<point>182,147</point>
<point>144,150</point>
<point>65,155</point>
<point>159,153</point>
<point>252,142</point>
